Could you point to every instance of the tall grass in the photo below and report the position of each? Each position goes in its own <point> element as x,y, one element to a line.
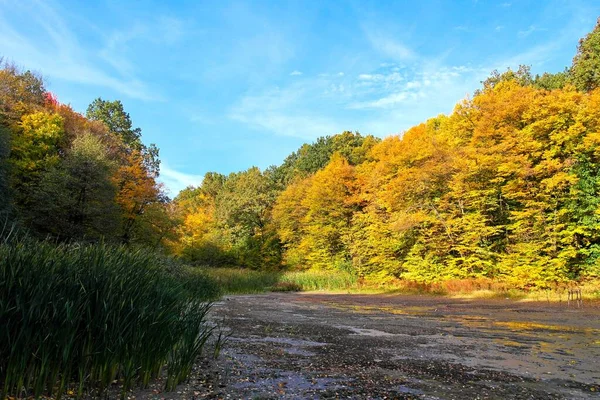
<point>79,317</point>
<point>244,281</point>
<point>321,280</point>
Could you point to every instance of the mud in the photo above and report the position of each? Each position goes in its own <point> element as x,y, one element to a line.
<point>313,346</point>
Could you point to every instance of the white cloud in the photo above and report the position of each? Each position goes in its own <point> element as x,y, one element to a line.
<point>393,49</point>
<point>289,111</point>
<point>386,100</point>
<point>295,73</point>
<point>175,181</point>
<point>530,30</point>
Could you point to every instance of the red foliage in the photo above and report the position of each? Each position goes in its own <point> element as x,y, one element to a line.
<point>51,100</point>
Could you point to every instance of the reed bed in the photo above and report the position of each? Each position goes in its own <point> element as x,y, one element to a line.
<point>79,317</point>
<point>240,281</point>
<point>320,280</point>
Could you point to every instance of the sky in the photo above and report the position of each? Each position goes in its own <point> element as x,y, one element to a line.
<point>225,85</point>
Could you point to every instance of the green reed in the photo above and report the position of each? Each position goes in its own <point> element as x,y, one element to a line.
<point>320,280</point>
<point>79,317</point>
<point>240,281</point>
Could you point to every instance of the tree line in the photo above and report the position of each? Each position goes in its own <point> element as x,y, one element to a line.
<point>73,177</point>
<point>505,187</point>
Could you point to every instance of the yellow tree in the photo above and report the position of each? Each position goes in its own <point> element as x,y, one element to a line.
<point>329,208</point>
<point>33,150</point>
<point>288,216</point>
<point>137,189</point>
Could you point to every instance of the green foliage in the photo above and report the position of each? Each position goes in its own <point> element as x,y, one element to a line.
<point>34,151</point>
<point>5,200</point>
<point>244,202</point>
<point>118,122</point>
<point>21,92</point>
<point>522,76</point>
<point>87,315</point>
<point>228,221</point>
<point>310,158</point>
<point>552,81</point>
<point>75,199</point>
<point>113,115</point>
<point>585,72</point>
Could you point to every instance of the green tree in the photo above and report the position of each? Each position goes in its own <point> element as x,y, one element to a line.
<point>116,119</point>
<point>522,76</point>
<point>5,200</point>
<point>313,157</point>
<point>34,151</point>
<point>113,115</point>
<point>550,81</point>
<point>20,92</point>
<point>243,208</point>
<point>585,71</point>
<point>76,198</point>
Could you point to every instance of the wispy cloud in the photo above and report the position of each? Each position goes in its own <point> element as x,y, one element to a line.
<point>384,101</point>
<point>390,48</point>
<point>529,31</point>
<point>295,73</point>
<point>397,88</point>
<point>60,56</point>
<point>175,181</point>
<point>285,111</point>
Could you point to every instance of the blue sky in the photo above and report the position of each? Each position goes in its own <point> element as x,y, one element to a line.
<point>225,85</point>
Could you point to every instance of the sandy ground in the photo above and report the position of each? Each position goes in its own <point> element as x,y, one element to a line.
<point>313,346</point>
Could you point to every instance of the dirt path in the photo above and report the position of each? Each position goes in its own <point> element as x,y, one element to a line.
<point>297,346</point>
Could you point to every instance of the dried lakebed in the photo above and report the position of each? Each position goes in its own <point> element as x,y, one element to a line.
<point>313,346</point>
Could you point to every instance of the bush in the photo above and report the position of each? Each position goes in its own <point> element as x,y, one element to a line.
<point>87,315</point>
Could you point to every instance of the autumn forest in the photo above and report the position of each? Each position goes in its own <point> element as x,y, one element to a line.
<point>505,187</point>
<point>106,282</point>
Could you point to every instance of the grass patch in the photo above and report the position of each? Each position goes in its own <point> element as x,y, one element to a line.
<point>321,280</point>
<point>79,317</point>
<point>242,281</point>
<point>245,281</point>
<point>285,287</point>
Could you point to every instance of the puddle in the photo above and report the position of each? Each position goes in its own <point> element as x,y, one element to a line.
<point>293,346</point>
<point>291,342</point>
<point>408,390</point>
<point>299,352</point>
<point>285,381</point>
<point>365,331</point>
<point>533,326</point>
